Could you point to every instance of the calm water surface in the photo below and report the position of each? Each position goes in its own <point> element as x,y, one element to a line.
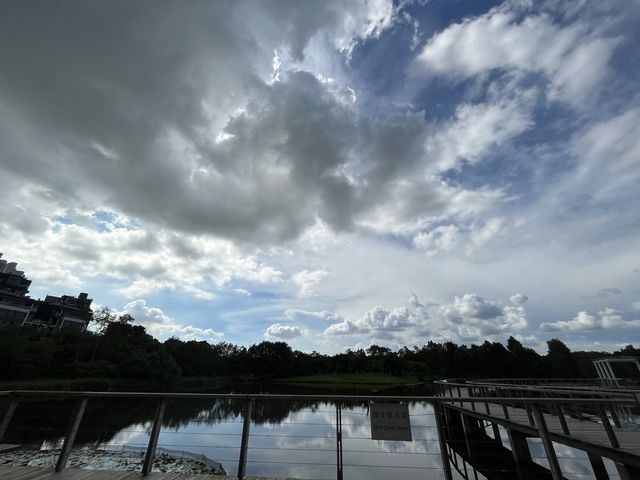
<point>289,438</point>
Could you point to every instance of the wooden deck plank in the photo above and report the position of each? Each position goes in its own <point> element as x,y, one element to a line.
<point>585,431</point>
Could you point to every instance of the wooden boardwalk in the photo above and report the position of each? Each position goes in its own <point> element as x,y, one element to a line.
<point>583,434</point>
<point>34,473</point>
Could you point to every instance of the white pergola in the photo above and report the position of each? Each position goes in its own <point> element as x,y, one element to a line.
<point>605,371</point>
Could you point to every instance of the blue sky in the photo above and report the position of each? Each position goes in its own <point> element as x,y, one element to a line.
<point>333,174</point>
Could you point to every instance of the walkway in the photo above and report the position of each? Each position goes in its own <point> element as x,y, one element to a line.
<point>584,435</point>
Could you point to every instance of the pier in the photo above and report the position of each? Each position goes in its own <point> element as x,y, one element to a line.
<point>590,418</point>
<point>477,427</point>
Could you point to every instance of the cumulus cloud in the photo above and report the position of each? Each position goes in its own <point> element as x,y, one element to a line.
<point>323,315</point>
<point>518,299</point>
<point>246,151</point>
<point>148,144</point>
<point>377,320</point>
<point>440,239</point>
<point>283,331</point>
<point>141,260</point>
<point>472,316</point>
<point>307,280</point>
<point>485,233</point>
<point>604,319</point>
<point>636,305</point>
<point>477,129</point>
<point>572,57</point>
<point>161,326</point>
<point>381,322</point>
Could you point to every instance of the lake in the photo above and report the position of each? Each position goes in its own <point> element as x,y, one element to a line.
<point>289,438</point>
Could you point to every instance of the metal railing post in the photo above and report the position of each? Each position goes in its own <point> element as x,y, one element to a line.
<point>70,436</point>
<point>11,409</point>
<point>150,454</point>
<point>607,427</point>
<point>554,466</point>
<point>563,421</point>
<point>598,467</point>
<point>339,463</point>
<point>614,416</point>
<point>244,444</point>
<point>437,409</point>
<point>472,394</point>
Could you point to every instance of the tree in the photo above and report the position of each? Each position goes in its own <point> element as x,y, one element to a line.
<point>560,363</point>
<point>271,359</point>
<point>102,318</point>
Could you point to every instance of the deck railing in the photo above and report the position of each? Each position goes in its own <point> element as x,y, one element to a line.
<point>603,406</point>
<point>451,392</point>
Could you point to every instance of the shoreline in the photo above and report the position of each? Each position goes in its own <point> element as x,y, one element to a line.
<point>107,459</point>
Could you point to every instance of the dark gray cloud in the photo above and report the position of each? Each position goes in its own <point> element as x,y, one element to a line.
<point>604,293</point>
<point>167,114</point>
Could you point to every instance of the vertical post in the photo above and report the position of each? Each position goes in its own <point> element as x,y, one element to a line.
<point>486,404</point>
<point>150,454</point>
<point>563,421</point>
<point>607,426</point>
<point>519,447</point>
<point>437,409</point>
<point>70,436</point>
<point>627,472</point>
<point>472,394</point>
<point>244,444</point>
<point>614,379</point>
<point>8,415</point>
<point>554,466</point>
<point>339,469</point>
<point>505,411</point>
<point>599,470</point>
<point>496,432</point>
<point>529,415</point>
<point>596,365</point>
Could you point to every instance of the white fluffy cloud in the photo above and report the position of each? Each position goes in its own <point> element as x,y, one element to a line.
<point>383,323</point>
<point>442,238</point>
<point>161,326</point>
<point>477,129</point>
<point>141,260</point>
<point>283,331</point>
<point>307,280</point>
<point>376,321</point>
<point>604,319</point>
<point>470,317</point>
<point>572,57</point>
<point>518,299</point>
<point>261,162</point>
<point>323,316</point>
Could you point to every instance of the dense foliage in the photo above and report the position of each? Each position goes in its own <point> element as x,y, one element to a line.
<point>119,349</point>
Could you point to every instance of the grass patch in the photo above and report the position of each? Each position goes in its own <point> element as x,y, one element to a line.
<point>351,379</point>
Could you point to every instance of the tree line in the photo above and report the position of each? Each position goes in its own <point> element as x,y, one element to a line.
<point>119,349</point>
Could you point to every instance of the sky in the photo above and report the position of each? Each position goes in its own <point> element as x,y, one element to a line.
<point>331,174</point>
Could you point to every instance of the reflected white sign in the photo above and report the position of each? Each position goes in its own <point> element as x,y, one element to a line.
<point>390,421</point>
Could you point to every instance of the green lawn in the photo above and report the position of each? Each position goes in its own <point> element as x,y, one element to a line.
<point>374,379</point>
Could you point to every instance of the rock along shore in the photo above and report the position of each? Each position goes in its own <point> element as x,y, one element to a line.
<point>108,460</point>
